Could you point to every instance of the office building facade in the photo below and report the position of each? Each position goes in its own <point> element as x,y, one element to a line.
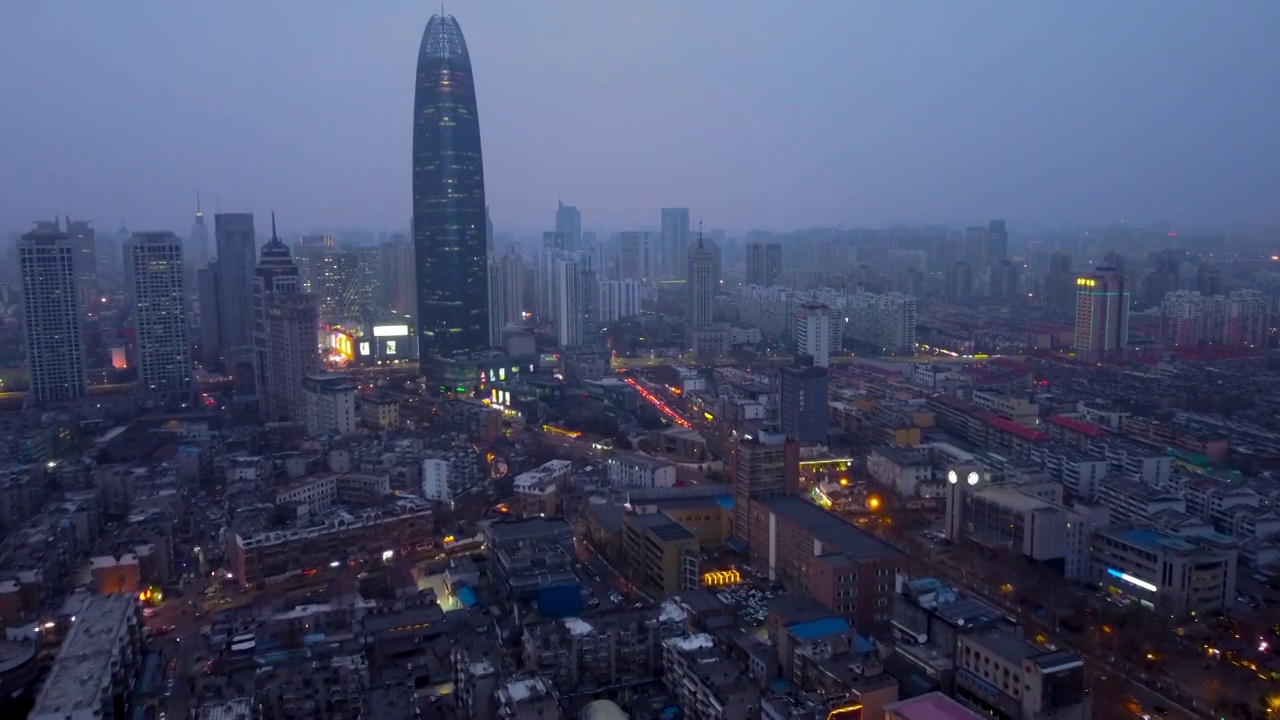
<point>675,242</point>
<point>449,218</point>
<point>633,256</point>
<point>237,258</point>
<point>764,264</point>
<point>52,316</point>
<point>157,293</point>
<point>618,299</point>
<point>700,309</point>
<point>803,404</point>
<point>284,334</point>
<point>569,225</point>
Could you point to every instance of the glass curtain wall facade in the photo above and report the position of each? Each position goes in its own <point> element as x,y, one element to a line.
<point>448,199</point>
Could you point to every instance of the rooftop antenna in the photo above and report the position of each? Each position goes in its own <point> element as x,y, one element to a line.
<point>699,229</point>
<point>274,239</point>
<point>198,204</point>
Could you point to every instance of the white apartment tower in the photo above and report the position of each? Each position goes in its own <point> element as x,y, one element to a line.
<point>885,322</point>
<point>52,316</point>
<point>157,294</point>
<point>570,298</point>
<point>497,301</point>
<point>619,299</point>
<point>817,332</point>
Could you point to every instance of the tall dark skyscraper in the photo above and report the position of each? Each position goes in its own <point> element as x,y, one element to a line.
<point>449,221</point>
<point>237,257</point>
<point>803,404</point>
<point>764,263</point>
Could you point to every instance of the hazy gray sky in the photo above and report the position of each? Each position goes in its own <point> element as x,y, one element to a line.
<point>754,114</point>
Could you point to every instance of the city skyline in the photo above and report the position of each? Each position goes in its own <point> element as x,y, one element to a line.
<point>904,117</point>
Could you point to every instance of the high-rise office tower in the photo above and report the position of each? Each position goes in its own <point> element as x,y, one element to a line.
<point>449,225</point>
<point>700,310</point>
<point>207,300</point>
<point>108,255</point>
<point>52,315</point>
<point>595,249</point>
<point>83,240</point>
<point>674,249</point>
<point>1102,312</point>
<point>197,254</point>
<point>959,281</point>
<point>1059,282</point>
<point>398,273</point>
<point>284,333</point>
<point>633,256</point>
<point>997,242</point>
<point>1004,279</point>
<point>111,252</point>
<point>1208,279</point>
<point>1164,277</point>
<point>569,225</point>
<point>544,299</point>
<point>553,240</point>
<point>717,252</point>
<point>571,290</point>
<point>157,294</point>
<point>497,301</point>
<point>815,331</point>
<point>367,294</point>
<point>977,248</point>
<point>347,283</point>
<point>618,299</point>
<point>764,263</point>
<point>513,273</point>
<point>802,402</point>
<point>237,257</point>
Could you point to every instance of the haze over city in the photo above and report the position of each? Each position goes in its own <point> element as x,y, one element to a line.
<point>581,360</point>
<point>754,114</point>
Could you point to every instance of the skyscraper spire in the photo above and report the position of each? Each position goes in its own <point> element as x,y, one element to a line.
<point>198,211</point>
<point>276,239</point>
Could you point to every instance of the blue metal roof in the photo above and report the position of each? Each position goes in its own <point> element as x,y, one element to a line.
<point>725,501</point>
<point>862,645</point>
<point>466,596</point>
<point>818,628</point>
<point>1154,540</point>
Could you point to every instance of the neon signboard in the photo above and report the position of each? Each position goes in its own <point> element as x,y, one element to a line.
<point>1132,580</point>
